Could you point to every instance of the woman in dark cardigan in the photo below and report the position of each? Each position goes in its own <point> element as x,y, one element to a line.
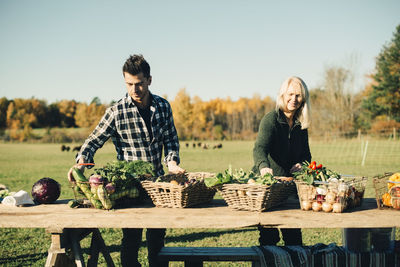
<point>282,145</point>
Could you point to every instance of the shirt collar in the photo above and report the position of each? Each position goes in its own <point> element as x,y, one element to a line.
<point>282,118</point>
<point>130,102</point>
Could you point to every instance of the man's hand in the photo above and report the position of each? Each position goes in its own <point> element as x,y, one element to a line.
<point>81,167</point>
<point>174,168</point>
<point>264,171</point>
<point>295,168</point>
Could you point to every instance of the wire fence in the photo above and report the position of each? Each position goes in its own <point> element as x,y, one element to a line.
<point>360,156</point>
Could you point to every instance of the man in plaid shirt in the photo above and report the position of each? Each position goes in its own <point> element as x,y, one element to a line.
<point>141,126</point>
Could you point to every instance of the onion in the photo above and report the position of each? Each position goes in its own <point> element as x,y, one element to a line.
<point>110,188</point>
<point>95,180</point>
<point>320,198</point>
<point>327,207</point>
<point>321,191</point>
<point>316,206</point>
<point>251,181</point>
<point>306,205</point>
<point>337,207</point>
<point>330,198</point>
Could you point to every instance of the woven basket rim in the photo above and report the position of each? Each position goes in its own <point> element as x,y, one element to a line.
<point>254,197</point>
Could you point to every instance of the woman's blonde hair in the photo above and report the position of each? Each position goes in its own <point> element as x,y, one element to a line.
<point>303,114</point>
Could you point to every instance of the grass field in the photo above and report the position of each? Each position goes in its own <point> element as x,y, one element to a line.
<point>23,164</point>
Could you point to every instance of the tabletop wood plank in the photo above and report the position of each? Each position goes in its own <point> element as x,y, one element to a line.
<point>213,215</point>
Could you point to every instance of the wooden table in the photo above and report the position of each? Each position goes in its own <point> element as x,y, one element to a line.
<point>57,217</point>
<point>214,215</point>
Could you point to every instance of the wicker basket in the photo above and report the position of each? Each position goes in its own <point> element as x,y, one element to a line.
<point>168,195</point>
<point>332,197</point>
<point>254,197</point>
<point>381,187</point>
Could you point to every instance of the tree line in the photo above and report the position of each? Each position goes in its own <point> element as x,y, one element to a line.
<point>20,116</point>
<point>336,108</point>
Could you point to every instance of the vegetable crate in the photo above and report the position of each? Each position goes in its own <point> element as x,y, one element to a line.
<point>179,190</point>
<point>335,196</point>
<point>255,197</point>
<point>387,190</point>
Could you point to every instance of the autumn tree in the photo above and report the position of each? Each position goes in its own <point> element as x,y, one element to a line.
<point>383,102</point>
<point>183,114</point>
<point>67,110</point>
<point>20,118</point>
<point>53,116</point>
<point>200,121</point>
<point>88,116</point>
<point>3,112</point>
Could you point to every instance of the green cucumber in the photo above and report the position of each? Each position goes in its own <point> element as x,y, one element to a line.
<point>78,175</point>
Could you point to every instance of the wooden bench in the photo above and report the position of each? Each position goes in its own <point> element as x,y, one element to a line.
<point>195,256</point>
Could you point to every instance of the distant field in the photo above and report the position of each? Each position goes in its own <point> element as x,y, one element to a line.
<point>23,164</point>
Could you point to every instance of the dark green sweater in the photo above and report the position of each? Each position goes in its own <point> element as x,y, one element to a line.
<point>278,147</point>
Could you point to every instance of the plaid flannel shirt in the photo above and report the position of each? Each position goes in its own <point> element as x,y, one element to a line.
<point>123,123</point>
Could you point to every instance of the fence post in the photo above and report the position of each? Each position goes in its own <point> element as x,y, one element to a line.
<point>394,133</point>
<point>365,153</point>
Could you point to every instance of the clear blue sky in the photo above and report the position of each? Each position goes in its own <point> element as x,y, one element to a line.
<point>56,50</point>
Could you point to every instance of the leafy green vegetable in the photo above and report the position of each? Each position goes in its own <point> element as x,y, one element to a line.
<point>238,176</point>
<point>267,179</point>
<point>124,174</point>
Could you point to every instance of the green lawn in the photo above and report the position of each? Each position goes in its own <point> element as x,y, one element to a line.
<point>23,164</point>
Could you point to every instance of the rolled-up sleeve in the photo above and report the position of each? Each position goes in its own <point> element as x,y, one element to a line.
<point>171,141</point>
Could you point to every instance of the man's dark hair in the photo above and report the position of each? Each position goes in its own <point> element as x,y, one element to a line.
<point>136,64</point>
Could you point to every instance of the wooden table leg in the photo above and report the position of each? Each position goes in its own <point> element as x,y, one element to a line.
<point>56,253</point>
<point>62,239</point>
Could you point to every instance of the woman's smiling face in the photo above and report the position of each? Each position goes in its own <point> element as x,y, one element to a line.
<point>293,98</point>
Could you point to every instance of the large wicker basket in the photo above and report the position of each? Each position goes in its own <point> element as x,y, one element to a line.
<point>168,195</point>
<point>254,197</point>
<point>381,187</point>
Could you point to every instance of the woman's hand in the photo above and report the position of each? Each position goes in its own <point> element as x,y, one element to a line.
<point>174,168</point>
<point>295,168</point>
<point>264,171</point>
